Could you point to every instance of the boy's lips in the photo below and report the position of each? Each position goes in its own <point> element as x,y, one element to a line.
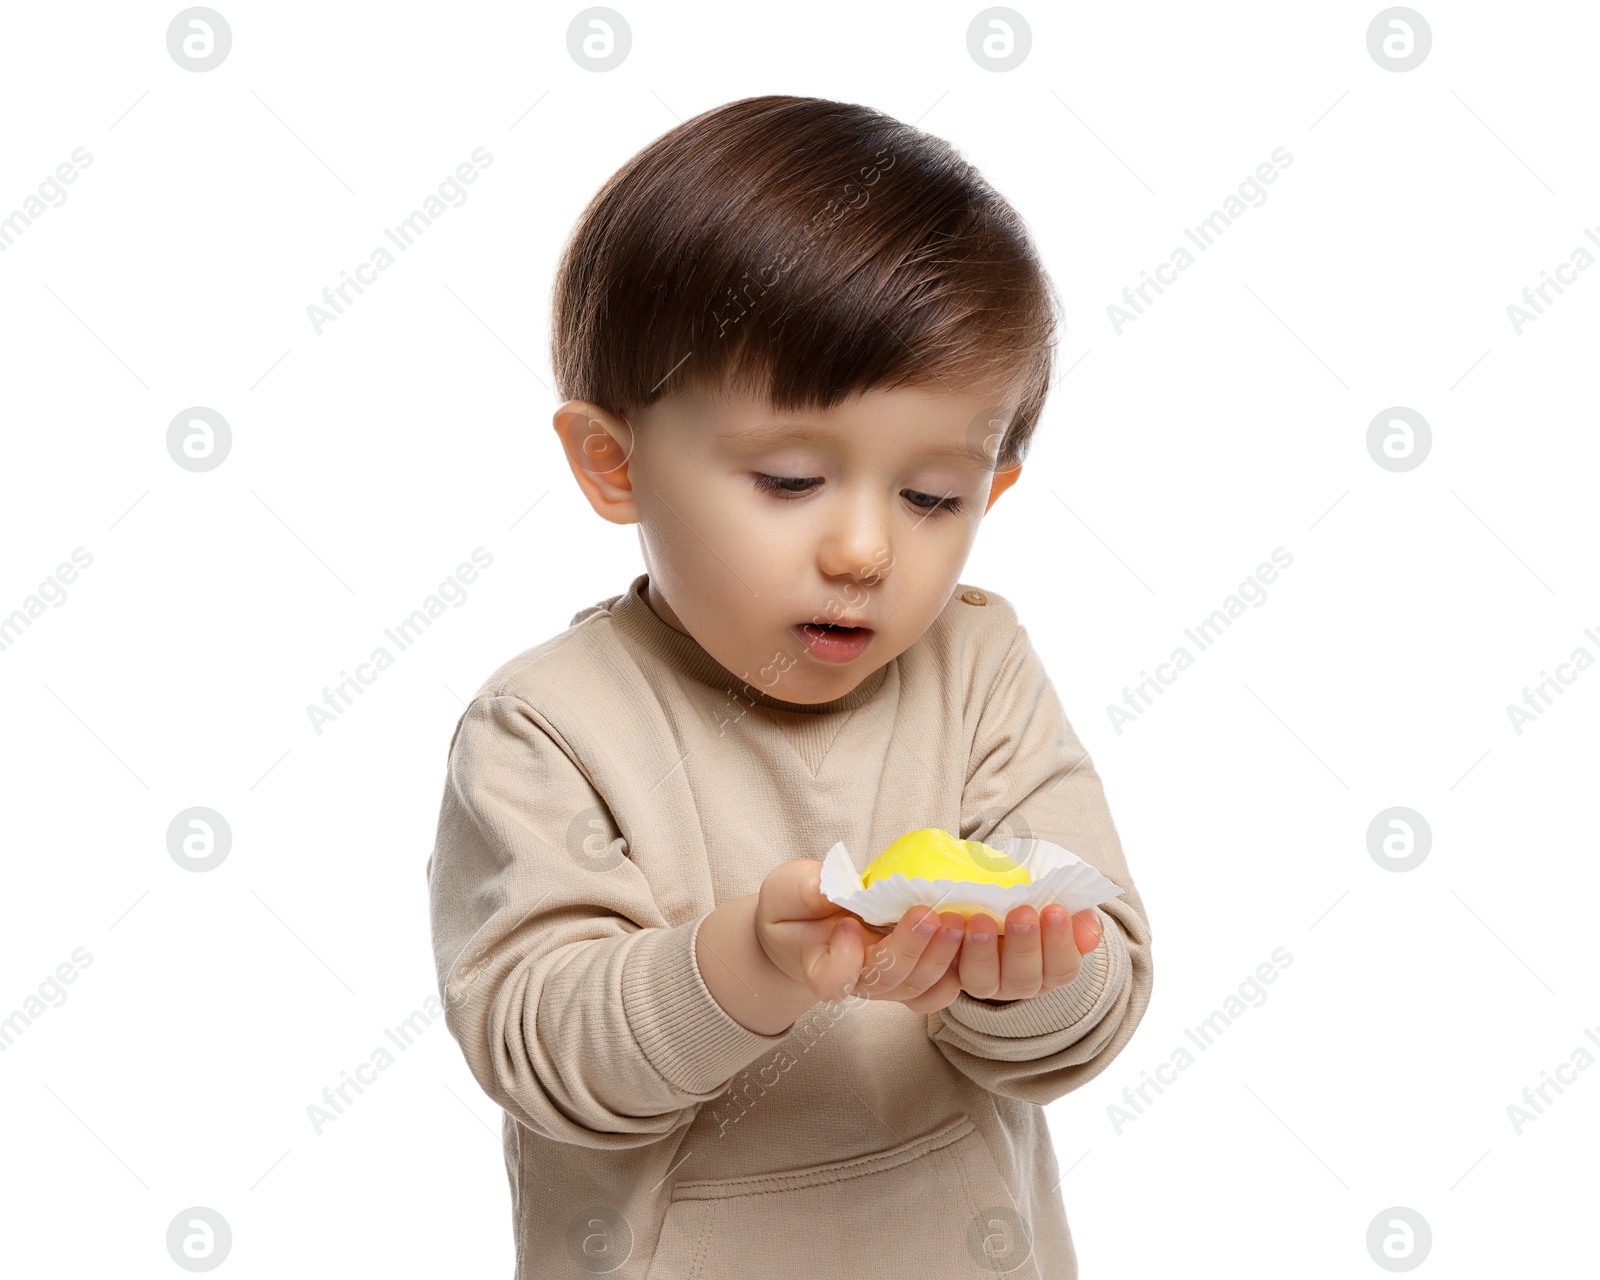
<point>846,623</point>
<point>841,641</point>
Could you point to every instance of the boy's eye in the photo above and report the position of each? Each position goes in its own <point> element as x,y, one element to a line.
<point>795,486</point>
<point>952,505</point>
<point>777,484</point>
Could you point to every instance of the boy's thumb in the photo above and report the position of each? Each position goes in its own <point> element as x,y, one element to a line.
<point>817,902</point>
<point>793,891</point>
<point>842,956</point>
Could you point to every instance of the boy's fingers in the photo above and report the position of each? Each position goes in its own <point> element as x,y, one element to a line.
<point>1021,958</point>
<point>895,955</point>
<point>940,951</point>
<point>980,956</point>
<point>839,962</point>
<point>817,904</point>
<point>941,994</point>
<point>796,894</point>
<point>1086,930</point>
<point>1062,959</point>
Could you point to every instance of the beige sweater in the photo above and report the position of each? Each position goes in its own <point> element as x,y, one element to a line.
<point>605,790</point>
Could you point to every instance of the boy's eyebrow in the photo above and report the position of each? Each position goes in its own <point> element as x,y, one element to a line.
<point>771,433</point>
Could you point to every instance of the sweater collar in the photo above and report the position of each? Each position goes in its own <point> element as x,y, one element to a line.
<point>636,620</point>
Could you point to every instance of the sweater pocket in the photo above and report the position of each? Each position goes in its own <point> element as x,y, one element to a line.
<point>934,1206</point>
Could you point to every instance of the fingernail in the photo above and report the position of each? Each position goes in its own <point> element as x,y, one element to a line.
<point>1022,928</point>
<point>926,926</point>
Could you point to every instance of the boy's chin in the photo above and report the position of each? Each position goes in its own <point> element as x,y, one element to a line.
<point>807,681</point>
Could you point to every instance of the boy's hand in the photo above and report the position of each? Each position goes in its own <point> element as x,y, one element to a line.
<point>831,953</point>
<point>806,936</point>
<point>925,972</point>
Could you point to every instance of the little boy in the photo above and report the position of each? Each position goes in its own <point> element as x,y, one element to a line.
<point>803,347</point>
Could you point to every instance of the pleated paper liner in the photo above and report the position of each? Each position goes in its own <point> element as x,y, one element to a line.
<point>1058,875</point>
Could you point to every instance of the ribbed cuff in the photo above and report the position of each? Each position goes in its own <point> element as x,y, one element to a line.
<point>1054,1011</point>
<point>688,1037</point>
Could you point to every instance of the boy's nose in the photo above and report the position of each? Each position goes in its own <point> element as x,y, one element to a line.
<point>857,546</point>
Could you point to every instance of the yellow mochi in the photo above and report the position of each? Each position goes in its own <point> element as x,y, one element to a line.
<point>932,854</point>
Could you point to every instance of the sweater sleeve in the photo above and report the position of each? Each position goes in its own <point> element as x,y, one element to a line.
<point>580,1010</point>
<point>1030,775</point>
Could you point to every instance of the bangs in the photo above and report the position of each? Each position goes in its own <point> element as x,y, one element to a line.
<point>804,251</point>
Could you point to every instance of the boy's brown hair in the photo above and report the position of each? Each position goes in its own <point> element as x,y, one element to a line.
<point>803,250</point>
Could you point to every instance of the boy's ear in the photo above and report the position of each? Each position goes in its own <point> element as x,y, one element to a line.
<point>599,447</point>
<point>1002,481</point>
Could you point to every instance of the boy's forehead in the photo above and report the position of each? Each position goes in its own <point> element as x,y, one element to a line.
<point>956,425</point>
<point>930,444</point>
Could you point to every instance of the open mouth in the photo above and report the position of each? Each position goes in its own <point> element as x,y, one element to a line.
<point>831,642</point>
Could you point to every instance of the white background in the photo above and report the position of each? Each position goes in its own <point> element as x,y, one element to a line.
<point>367,462</point>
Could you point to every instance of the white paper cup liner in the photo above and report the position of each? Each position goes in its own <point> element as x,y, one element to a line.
<point>1059,875</point>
